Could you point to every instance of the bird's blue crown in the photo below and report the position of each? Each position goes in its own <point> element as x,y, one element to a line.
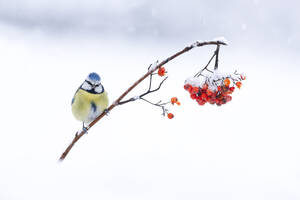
<point>94,77</point>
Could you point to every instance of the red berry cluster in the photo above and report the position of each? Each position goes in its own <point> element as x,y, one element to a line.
<point>219,96</point>
<point>173,101</point>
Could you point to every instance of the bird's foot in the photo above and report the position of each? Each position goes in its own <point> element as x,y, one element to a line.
<point>84,129</point>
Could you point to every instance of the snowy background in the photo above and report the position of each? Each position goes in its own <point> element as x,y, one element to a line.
<point>246,149</point>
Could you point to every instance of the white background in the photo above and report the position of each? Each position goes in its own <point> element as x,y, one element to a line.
<point>246,149</point>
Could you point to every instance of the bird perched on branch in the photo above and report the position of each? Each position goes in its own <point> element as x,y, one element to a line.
<point>90,100</point>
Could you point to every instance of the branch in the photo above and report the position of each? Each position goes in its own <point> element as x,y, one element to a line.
<point>79,134</point>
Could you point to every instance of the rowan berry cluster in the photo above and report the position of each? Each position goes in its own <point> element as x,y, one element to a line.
<point>214,89</point>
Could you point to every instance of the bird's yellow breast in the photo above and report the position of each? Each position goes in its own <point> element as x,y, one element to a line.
<point>87,106</point>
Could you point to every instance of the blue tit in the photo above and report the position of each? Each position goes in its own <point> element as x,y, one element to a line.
<point>90,100</point>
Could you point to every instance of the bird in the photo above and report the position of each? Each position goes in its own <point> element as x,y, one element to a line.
<point>90,100</point>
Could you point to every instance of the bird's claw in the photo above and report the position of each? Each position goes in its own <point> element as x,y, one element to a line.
<point>85,130</point>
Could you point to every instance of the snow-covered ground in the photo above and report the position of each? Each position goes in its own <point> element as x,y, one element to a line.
<point>246,149</point>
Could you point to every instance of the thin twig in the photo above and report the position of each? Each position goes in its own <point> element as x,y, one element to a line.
<point>149,91</point>
<point>217,57</point>
<point>200,72</point>
<point>144,94</point>
<point>150,84</point>
<point>78,135</point>
<point>162,105</point>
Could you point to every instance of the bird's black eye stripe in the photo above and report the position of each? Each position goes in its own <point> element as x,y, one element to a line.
<point>92,84</point>
<point>89,83</point>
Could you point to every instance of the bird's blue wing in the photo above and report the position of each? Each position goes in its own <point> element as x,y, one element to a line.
<point>94,107</point>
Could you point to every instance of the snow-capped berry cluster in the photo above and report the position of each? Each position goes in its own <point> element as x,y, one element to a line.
<point>214,89</point>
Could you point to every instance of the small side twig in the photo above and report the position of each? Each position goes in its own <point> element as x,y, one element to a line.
<point>149,91</point>
<point>144,94</point>
<point>158,104</point>
<point>206,66</point>
<point>216,54</point>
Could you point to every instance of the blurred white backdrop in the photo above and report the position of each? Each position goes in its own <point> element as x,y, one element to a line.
<point>246,149</point>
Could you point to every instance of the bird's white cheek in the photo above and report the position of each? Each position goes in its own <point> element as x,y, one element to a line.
<point>98,89</point>
<point>86,86</point>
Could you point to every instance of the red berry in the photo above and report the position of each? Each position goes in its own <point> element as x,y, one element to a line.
<point>226,82</point>
<point>161,71</point>
<point>212,101</point>
<point>170,115</point>
<point>238,84</point>
<point>190,89</point>
<point>204,96</point>
<point>209,92</point>
<point>193,96</point>
<point>228,98</point>
<point>214,95</point>
<point>205,86</point>
<point>186,87</point>
<point>195,90</point>
<point>174,100</point>
<point>201,103</point>
<point>220,97</point>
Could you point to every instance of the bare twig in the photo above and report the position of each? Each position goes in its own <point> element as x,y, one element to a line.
<point>79,134</point>
<point>158,104</point>
<point>217,57</point>
<point>149,91</point>
<point>205,68</point>
<point>216,54</point>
